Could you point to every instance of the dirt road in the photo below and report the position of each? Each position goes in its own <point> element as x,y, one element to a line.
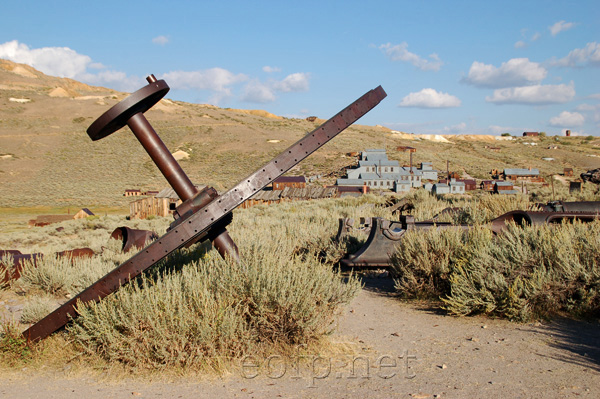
<point>402,350</point>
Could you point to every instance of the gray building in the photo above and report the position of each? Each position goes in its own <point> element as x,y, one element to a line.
<point>452,187</point>
<point>376,171</point>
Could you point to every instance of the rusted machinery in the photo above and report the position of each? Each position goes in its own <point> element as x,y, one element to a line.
<point>579,206</point>
<point>347,225</point>
<point>385,235</point>
<point>383,238</point>
<point>133,238</point>
<point>13,261</point>
<point>202,215</point>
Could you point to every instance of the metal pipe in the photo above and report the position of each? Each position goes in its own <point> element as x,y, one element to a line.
<point>161,156</point>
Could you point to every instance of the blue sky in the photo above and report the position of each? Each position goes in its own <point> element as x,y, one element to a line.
<point>449,67</point>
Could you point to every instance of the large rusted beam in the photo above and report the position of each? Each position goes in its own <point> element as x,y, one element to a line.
<point>206,220</point>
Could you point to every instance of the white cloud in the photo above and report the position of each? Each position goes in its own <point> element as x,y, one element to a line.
<point>55,61</point>
<point>67,63</point>
<point>593,110</point>
<point>520,44</point>
<point>430,98</point>
<point>514,72</point>
<point>560,26</point>
<point>498,130</point>
<point>293,83</point>
<point>161,40</point>
<point>270,69</point>
<point>217,80</point>
<point>455,129</point>
<point>115,79</point>
<point>594,96</point>
<point>566,119</point>
<point>399,52</point>
<point>257,92</point>
<point>534,95</point>
<point>535,36</point>
<point>590,54</point>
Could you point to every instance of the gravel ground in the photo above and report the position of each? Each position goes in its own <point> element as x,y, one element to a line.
<point>400,350</point>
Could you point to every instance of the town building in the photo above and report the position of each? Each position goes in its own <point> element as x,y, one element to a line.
<point>377,172</point>
<point>530,174</point>
<point>504,187</point>
<point>289,181</point>
<point>470,184</point>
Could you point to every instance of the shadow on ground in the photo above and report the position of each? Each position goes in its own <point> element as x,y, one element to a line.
<point>578,340</point>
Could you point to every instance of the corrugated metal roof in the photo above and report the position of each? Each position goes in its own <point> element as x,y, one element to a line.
<point>521,172</point>
<point>504,184</point>
<point>383,162</point>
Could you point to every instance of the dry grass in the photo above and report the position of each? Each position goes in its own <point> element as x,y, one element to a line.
<point>196,309</point>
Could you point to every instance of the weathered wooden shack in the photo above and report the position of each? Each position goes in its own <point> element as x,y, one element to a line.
<point>289,181</point>
<point>162,204</point>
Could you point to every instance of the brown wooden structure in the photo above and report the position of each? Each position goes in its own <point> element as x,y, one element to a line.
<point>289,181</point>
<point>568,171</point>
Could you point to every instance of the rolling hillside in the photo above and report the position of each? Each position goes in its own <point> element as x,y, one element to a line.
<point>47,159</point>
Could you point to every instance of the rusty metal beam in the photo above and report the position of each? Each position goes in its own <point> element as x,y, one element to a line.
<point>212,216</point>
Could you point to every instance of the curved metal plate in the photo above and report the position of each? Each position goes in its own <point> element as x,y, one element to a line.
<point>117,117</point>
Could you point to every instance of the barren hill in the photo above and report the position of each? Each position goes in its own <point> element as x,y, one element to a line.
<point>46,157</point>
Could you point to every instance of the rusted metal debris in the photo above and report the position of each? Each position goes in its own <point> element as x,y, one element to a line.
<point>133,238</point>
<point>592,175</point>
<point>347,226</point>
<point>385,235</point>
<point>13,261</point>
<point>579,206</point>
<point>383,238</point>
<point>203,214</point>
<point>528,218</point>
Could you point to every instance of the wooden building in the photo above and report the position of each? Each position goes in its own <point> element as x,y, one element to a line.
<point>504,187</point>
<point>528,174</point>
<point>44,220</point>
<point>568,171</point>
<point>470,184</point>
<point>150,206</point>
<point>162,204</point>
<point>268,197</point>
<point>132,193</point>
<point>83,213</point>
<point>289,181</point>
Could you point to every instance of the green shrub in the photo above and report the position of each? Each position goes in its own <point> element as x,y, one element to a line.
<point>213,309</point>
<point>522,274</point>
